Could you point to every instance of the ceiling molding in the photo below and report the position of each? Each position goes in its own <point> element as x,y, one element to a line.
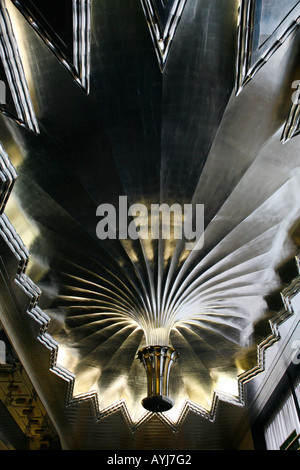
<point>23,112</point>
<point>8,176</point>
<point>162,19</point>
<point>38,322</point>
<point>252,56</point>
<point>283,315</point>
<point>41,322</point>
<point>75,55</point>
<point>292,125</point>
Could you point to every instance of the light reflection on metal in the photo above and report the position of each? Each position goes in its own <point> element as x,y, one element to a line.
<point>8,176</point>
<point>13,67</point>
<point>158,361</point>
<point>251,55</point>
<point>79,67</point>
<point>291,127</point>
<point>223,273</point>
<point>162,19</point>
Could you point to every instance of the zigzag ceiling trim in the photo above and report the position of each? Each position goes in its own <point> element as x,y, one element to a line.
<point>41,320</point>
<point>162,32</point>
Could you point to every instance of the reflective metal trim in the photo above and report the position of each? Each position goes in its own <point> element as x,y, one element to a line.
<point>80,67</point>
<point>162,35</point>
<point>246,67</point>
<point>9,54</point>
<point>291,127</point>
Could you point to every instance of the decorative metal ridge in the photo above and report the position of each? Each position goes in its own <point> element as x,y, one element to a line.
<point>291,128</point>
<point>13,67</point>
<point>162,36</point>
<point>245,71</point>
<point>80,68</point>
<point>287,295</point>
<point>41,322</point>
<point>8,176</point>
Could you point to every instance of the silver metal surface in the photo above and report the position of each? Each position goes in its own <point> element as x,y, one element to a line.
<point>177,134</point>
<point>157,361</point>
<point>263,27</point>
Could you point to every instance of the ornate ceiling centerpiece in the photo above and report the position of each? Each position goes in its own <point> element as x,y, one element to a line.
<point>157,361</point>
<point>175,135</point>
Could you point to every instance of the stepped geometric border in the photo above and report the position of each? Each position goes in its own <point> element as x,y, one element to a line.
<point>291,127</point>
<point>15,244</point>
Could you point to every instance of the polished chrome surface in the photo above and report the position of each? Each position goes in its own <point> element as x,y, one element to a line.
<point>157,361</point>
<point>18,105</point>
<point>66,31</point>
<point>263,27</point>
<point>162,18</point>
<point>175,134</point>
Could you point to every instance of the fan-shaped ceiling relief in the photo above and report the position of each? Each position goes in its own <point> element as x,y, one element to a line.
<point>145,137</point>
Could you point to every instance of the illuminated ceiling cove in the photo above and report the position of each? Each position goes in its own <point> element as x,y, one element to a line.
<point>124,106</point>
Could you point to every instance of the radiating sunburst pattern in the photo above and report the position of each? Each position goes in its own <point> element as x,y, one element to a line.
<point>109,300</point>
<point>179,138</point>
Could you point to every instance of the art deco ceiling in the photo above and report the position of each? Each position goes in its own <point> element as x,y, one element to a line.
<point>186,102</point>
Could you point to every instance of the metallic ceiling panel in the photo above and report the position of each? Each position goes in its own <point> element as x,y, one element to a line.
<point>263,27</point>
<point>196,433</point>
<point>65,28</point>
<point>142,158</point>
<point>291,128</point>
<point>16,103</point>
<point>163,17</point>
<point>181,136</point>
